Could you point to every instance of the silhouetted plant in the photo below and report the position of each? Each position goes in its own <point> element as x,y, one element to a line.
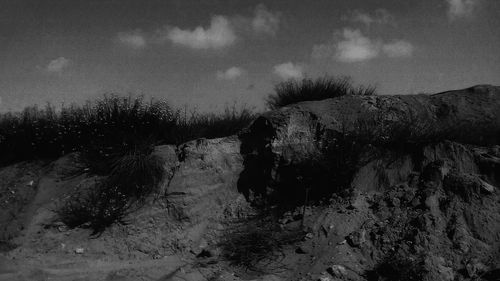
<point>107,128</point>
<point>307,89</point>
<point>210,125</point>
<point>133,178</point>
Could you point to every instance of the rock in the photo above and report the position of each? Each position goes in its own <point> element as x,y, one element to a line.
<point>325,278</point>
<point>291,136</point>
<point>202,178</point>
<point>338,271</point>
<point>300,250</point>
<point>79,251</point>
<point>356,238</point>
<point>467,185</point>
<point>487,188</point>
<point>436,269</point>
<point>475,268</point>
<point>204,254</point>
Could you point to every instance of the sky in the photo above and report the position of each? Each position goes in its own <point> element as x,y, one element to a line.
<point>208,54</point>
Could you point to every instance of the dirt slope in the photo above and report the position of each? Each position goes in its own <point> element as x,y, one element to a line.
<point>429,212</point>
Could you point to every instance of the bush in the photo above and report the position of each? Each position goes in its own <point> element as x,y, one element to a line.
<point>293,91</point>
<point>107,128</point>
<point>102,130</point>
<point>257,243</point>
<point>133,177</point>
<point>210,125</point>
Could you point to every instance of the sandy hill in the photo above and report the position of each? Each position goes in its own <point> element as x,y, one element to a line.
<point>352,188</point>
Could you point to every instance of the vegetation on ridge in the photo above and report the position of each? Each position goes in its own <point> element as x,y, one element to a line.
<point>307,89</point>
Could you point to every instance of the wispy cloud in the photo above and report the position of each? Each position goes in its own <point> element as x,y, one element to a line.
<point>398,49</point>
<point>352,46</point>
<point>461,8</point>
<point>218,35</point>
<point>264,21</point>
<point>134,39</point>
<point>379,16</point>
<point>231,73</point>
<point>289,70</point>
<point>58,65</point>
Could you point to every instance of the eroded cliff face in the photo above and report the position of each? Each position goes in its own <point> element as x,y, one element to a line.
<point>426,209</point>
<point>336,128</point>
<point>183,217</point>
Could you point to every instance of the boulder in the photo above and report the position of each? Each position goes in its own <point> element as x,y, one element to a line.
<point>295,134</point>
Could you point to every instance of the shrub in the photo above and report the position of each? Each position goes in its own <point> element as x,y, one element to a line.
<point>399,268</point>
<point>133,177</point>
<point>257,243</point>
<point>293,91</point>
<point>102,130</point>
<point>210,125</point>
<point>107,128</point>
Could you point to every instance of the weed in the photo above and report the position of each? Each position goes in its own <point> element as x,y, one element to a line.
<point>257,243</point>
<point>133,177</point>
<point>307,89</point>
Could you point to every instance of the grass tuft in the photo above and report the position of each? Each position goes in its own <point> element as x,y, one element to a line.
<point>133,178</point>
<point>307,89</point>
<point>257,243</point>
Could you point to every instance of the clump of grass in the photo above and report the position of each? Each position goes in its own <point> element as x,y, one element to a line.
<point>399,268</point>
<point>210,125</point>
<point>307,89</point>
<point>257,243</point>
<point>133,178</point>
<point>102,130</point>
<point>107,128</point>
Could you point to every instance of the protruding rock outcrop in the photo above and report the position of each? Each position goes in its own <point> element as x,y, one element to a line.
<point>300,132</point>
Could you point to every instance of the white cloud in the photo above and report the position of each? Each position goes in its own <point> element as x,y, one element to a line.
<point>58,65</point>
<point>134,39</point>
<point>461,8</point>
<point>265,21</point>
<point>352,46</point>
<point>289,71</point>
<point>399,48</point>
<point>231,73</point>
<point>379,16</point>
<point>218,35</point>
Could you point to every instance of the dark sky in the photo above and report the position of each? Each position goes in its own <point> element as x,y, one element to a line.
<point>210,53</point>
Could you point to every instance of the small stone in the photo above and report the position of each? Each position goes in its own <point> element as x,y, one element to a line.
<point>62,228</point>
<point>300,250</point>
<point>309,235</point>
<point>355,239</point>
<point>204,254</point>
<point>325,278</point>
<point>79,250</point>
<point>337,270</point>
<point>488,188</point>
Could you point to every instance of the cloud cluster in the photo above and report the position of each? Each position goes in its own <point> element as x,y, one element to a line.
<point>231,73</point>
<point>133,39</point>
<point>58,65</point>
<point>220,33</point>
<point>379,16</point>
<point>461,8</point>
<point>289,70</point>
<point>266,22</point>
<point>352,46</point>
